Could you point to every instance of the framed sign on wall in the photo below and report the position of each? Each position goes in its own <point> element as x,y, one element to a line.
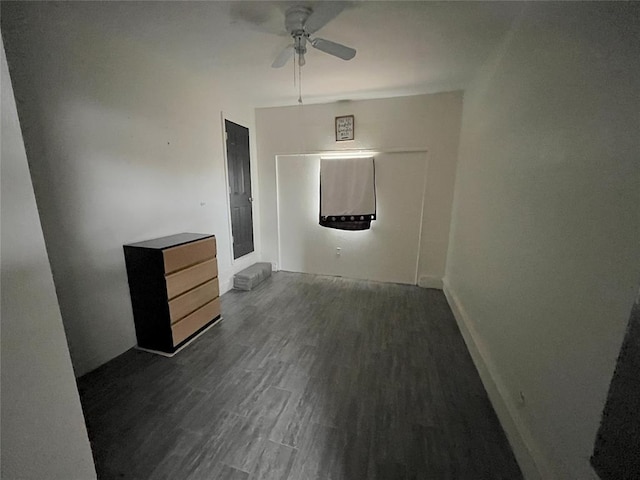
<point>344,128</point>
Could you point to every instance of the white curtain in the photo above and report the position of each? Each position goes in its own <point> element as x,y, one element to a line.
<point>347,189</point>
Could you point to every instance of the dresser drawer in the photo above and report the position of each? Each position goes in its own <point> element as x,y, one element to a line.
<point>186,303</point>
<point>183,256</point>
<point>192,323</point>
<point>183,280</point>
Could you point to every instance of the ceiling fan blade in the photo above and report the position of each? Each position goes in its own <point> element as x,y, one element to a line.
<point>283,57</point>
<point>333,48</point>
<point>323,13</point>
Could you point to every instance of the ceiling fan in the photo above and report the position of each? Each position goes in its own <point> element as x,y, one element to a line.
<point>301,22</point>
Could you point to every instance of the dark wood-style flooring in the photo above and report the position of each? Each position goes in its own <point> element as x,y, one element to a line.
<point>307,377</point>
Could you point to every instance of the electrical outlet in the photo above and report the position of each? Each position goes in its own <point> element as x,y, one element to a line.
<point>338,251</point>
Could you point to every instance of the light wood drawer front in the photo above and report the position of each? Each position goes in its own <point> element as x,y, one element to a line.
<point>183,256</point>
<point>185,304</point>
<point>188,278</point>
<point>195,321</point>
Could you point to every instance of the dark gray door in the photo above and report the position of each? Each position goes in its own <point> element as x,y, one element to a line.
<point>239,188</point>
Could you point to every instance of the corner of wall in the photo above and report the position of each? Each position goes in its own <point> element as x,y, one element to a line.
<point>430,281</point>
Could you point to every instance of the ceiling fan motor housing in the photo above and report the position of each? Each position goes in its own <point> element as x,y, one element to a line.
<point>296,17</point>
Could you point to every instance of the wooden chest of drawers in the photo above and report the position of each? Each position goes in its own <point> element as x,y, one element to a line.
<point>173,283</point>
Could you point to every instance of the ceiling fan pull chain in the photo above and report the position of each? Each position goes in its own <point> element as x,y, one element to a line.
<point>299,84</point>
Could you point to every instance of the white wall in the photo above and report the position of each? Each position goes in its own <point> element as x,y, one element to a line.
<point>418,123</point>
<point>544,260</point>
<point>124,144</point>
<point>387,252</point>
<point>43,430</point>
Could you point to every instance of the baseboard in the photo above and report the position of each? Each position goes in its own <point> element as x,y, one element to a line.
<point>430,281</point>
<point>184,345</point>
<point>534,465</point>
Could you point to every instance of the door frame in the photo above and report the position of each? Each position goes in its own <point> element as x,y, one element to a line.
<point>226,116</point>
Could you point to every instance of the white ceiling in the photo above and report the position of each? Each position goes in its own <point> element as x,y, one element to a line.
<point>403,47</point>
